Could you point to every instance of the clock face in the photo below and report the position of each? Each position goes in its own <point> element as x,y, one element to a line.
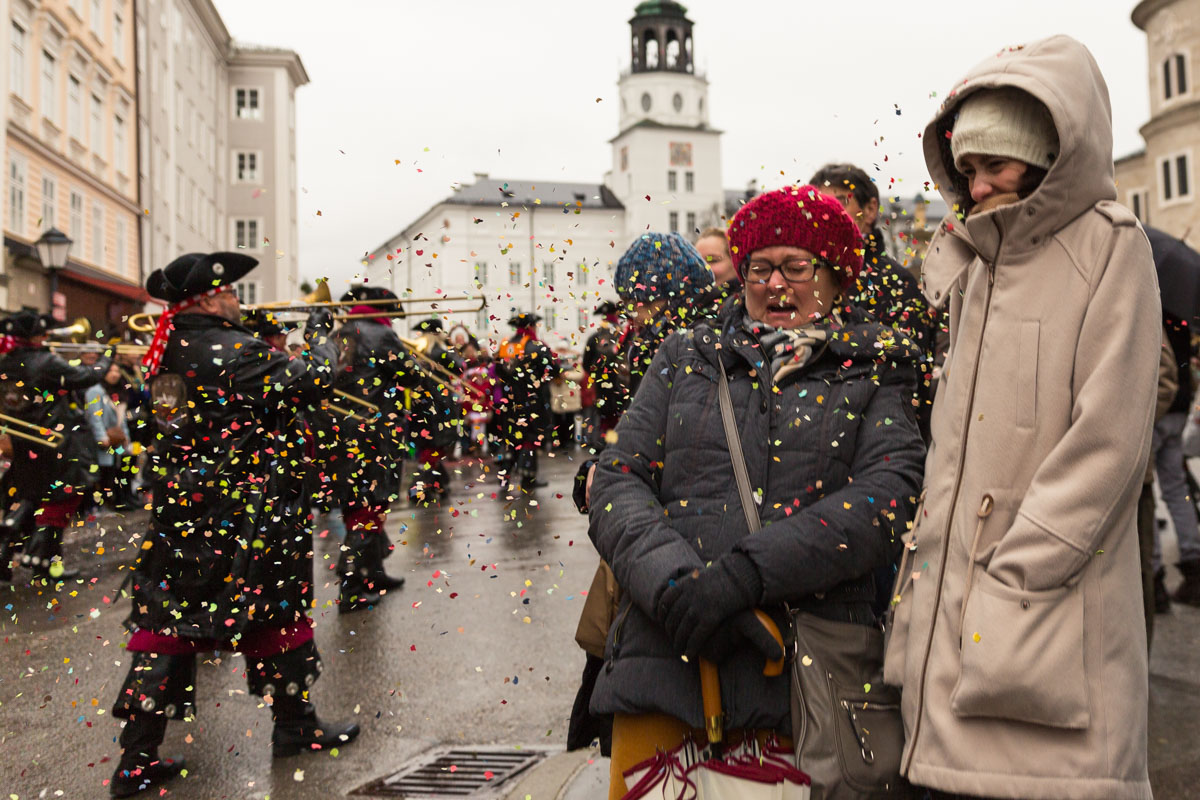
<point>677,101</point>
<point>645,101</point>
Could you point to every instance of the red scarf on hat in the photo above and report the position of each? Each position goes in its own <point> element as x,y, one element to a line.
<point>365,309</point>
<point>162,334</point>
<point>8,343</point>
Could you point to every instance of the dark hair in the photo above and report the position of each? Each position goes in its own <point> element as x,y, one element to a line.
<point>707,232</point>
<point>1031,180</point>
<point>850,177</point>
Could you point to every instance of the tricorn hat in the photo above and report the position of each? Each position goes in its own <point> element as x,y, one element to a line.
<point>366,292</point>
<point>431,325</point>
<point>26,324</point>
<point>195,273</point>
<point>524,319</point>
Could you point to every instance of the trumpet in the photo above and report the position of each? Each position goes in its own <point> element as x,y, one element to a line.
<point>145,323</point>
<point>370,413</point>
<point>14,426</point>
<point>78,332</point>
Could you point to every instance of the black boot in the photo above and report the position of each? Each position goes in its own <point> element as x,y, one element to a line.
<point>140,766</point>
<point>1189,591</point>
<point>380,580</point>
<point>355,565</point>
<point>43,555</point>
<point>299,730</point>
<point>1162,600</point>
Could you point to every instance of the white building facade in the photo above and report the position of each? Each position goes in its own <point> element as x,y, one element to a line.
<point>550,246</point>
<point>218,149</point>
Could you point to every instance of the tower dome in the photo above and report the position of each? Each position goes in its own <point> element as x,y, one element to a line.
<point>661,37</point>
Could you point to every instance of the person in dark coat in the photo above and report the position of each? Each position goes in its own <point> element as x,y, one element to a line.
<point>527,367</point>
<point>822,395</point>
<point>44,485</point>
<point>439,417</point>
<point>607,392</point>
<point>374,366</point>
<point>227,560</point>
<point>888,292</point>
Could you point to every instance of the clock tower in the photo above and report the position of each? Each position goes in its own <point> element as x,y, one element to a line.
<point>665,148</point>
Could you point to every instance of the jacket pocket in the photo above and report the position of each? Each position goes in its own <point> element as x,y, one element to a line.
<point>899,614</point>
<point>1022,656</point>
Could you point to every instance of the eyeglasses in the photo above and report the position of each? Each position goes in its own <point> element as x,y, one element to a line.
<point>794,270</point>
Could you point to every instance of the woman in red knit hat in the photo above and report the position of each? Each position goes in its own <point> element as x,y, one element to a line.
<point>822,400</point>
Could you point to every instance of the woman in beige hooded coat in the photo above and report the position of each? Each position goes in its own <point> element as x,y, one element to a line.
<point>1017,632</point>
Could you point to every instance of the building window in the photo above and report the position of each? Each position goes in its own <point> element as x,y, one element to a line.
<point>1175,177</point>
<point>17,169</point>
<point>245,103</point>
<point>1135,205</point>
<point>118,36</point>
<point>245,234</point>
<point>98,18</point>
<point>672,180</point>
<point>514,273</point>
<point>97,125</point>
<point>97,234</point>
<point>49,201</point>
<point>16,62</point>
<point>583,273</point>
<point>49,85</point>
<point>75,108</point>
<point>1175,82</point>
<point>120,157</point>
<point>245,167</point>
<point>689,181</point>
<point>691,222</point>
<point>673,224</point>
<point>247,292</point>
<point>481,274</point>
<point>119,267</point>
<point>548,273</point>
<point>77,219</point>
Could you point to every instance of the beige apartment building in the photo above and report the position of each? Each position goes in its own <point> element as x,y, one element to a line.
<point>1159,182</point>
<point>218,145</point>
<point>70,156</point>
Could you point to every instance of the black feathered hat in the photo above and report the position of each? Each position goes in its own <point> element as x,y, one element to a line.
<point>366,292</point>
<point>524,319</point>
<point>26,324</point>
<point>196,273</point>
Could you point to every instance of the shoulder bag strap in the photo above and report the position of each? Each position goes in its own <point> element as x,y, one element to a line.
<point>734,442</point>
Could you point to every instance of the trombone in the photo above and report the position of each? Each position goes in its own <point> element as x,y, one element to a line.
<point>321,298</point>
<point>21,429</point>
<point>77,348</point>
<point>358,416</point>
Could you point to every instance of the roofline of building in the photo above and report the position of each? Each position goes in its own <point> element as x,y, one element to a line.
<point>649,123</point>
<point>403,232</point>
<point>1146,9</point>
<point>1130,157</point>
<point>248,55</point>
<point>211,19</point>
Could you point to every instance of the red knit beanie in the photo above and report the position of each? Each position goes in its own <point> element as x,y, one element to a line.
<point>799,216</point>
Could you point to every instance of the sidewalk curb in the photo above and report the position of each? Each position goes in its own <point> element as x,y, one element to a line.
<point>550,779</point>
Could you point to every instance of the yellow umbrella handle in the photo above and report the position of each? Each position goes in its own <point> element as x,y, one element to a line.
<point>710,694</point>
<point>710,682</point>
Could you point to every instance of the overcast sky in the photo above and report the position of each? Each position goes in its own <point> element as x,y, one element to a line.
<point>511,88</point>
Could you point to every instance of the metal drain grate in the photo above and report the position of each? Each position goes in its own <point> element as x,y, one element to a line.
<point>449,774</point>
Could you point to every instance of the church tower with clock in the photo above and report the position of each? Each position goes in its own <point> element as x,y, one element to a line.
<point>665,149</point>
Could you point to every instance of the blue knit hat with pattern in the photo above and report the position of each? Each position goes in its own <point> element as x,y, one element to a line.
<point>661,265</point>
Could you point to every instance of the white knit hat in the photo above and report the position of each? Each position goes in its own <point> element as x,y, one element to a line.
<point>1005,122</point>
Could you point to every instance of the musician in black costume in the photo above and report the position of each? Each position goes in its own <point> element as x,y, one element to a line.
<point>227,559</point>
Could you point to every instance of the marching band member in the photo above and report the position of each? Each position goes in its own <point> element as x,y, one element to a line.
<point>528,367</point>
<point>45,484</point>
<point>373,366</point>
<point>227,560</point>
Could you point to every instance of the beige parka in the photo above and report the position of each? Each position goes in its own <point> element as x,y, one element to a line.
<point>1018,635</point>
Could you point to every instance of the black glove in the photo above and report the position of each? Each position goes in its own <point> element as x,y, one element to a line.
<point>320,322</point>
<point>694,606</point>
<point>735,633</point>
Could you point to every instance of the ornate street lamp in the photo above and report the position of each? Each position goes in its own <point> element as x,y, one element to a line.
<point>53,248</point>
